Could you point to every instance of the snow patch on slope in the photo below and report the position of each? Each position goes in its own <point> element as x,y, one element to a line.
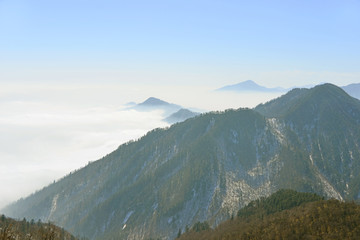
<point>276,128</point>
<point>53,206</point>
<point>128,215</point>
<point>329,189</point>
<point>241,193</point>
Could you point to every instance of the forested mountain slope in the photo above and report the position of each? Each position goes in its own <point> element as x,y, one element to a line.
<point>287,215</point>
<point>31,230</point>
<point>207,167</point>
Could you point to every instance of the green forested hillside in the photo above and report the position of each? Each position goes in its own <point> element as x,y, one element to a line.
<point>31,230</point>
<point>279,201</point>
<point>287,215</point>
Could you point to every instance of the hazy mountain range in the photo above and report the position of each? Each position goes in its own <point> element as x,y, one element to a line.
<point>353,90</point>
<point>250,86</point>
<point>208,167</point>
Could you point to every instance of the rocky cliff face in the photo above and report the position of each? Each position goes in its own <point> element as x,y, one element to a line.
<point>207,167</point>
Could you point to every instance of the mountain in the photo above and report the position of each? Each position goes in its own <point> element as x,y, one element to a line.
<point>174,113</point>
<point>286,214</point>
<point>152,103</point>
<point>180,116</point>
<point>249,86</point>
<point>13,229</point>
<point>353,90</point>
<point>206,168</point>
<point>279,201</point>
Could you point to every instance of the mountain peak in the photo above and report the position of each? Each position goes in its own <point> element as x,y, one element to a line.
<point>328,94</point>
<point>329,87</point>
<point>313,104</point>
<point>180,116</point>
<point>152,101</point>
<point>249,83</point>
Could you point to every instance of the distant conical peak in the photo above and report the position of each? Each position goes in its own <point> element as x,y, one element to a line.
<point>154,101</point>
<point>249,82</point>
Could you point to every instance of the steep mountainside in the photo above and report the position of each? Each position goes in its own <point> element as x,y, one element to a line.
<point>324,122</point>
<point>209,166</point>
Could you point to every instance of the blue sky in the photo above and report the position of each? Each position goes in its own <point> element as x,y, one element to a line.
<point>180,42</point>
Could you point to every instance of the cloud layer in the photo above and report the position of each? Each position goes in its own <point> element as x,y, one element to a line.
<point>47,131</point>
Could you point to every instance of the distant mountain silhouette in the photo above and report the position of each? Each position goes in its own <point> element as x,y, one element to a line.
<point>180,116</point>
<point>172,113</point>
<point>249,86</point>
<point>353,90</point>
<point>152,103</point>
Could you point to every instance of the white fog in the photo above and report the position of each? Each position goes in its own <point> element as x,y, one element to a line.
<point>47,131</point>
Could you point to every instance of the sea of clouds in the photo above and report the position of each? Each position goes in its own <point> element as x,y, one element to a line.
<point>47,131</point>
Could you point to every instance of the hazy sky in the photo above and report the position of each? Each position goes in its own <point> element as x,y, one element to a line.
<point>67,67</point>
<point>184,42</point>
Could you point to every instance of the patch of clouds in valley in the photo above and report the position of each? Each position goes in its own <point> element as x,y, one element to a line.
<point>47,131</point>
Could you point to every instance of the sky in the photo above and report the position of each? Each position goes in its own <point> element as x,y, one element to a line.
<point>68,67</point>
<point>275,43</point>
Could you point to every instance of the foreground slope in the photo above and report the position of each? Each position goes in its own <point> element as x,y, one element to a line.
<point>12,229</point>
<point>209,166</point>
<point>288,215</point>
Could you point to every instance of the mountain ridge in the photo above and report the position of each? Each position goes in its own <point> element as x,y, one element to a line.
<point>249,86</point>
<point>353,90</point>
<point>207,167</point>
